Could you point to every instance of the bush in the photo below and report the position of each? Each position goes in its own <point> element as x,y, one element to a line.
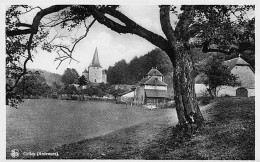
<point>205,98</point>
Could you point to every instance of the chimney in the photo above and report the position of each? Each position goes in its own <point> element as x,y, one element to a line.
<point>156,81</point>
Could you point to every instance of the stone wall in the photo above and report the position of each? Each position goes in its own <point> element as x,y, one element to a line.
<point>95,74</point>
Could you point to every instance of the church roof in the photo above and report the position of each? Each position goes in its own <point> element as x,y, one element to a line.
<point>154,72</point>
<point>85,71</point>
<point>95,60</point>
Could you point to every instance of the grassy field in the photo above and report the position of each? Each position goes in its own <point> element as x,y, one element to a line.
<point>42,124</point>
<point>229,134</point>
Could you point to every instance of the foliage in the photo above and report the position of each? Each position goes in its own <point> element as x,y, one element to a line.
<point>32,84</point>
<point>118,73</point>
<point>204,98</point>
<point>137,68</point>
<point>216,74</point>
<point>16,47</point>
<point>70,76</point>
<point>82,81</point>
<point>69,89</point>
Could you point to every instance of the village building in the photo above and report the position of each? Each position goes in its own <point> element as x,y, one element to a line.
<point>95,72</point>
<point>150,90</point>
<point>245,76</point>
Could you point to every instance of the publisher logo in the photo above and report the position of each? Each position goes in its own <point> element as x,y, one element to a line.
<point>15,153</point>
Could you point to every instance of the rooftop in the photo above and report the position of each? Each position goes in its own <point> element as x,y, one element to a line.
<point>235,62</point>
<point>155,72</point>
<point>95,60</point>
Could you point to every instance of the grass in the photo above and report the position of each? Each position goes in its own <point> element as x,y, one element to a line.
<point>229,134</point>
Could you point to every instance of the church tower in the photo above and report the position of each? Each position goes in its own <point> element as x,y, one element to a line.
<point>95,70</point>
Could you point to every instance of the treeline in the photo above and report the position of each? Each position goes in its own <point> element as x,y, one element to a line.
<point>132,72</point>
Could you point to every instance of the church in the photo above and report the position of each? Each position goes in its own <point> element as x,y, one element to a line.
<point>95,72</point>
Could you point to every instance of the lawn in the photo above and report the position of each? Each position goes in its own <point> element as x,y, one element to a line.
<point>42,124</point>
<point>228,134</point>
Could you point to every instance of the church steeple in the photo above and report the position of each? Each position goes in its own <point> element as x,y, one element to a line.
<point>95,60</point>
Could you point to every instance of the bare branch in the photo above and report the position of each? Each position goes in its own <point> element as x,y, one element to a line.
<point>36,20</point>
<point>83,36</point>
<point>58,23</point>
<point>68,52</point>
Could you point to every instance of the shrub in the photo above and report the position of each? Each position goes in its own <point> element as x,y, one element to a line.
<point>204,98</point>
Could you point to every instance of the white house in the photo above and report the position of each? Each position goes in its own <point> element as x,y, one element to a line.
<point>150,90</point>
<point>242,70</point>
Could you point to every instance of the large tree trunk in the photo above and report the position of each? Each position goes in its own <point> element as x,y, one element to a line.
<point>184,92</point>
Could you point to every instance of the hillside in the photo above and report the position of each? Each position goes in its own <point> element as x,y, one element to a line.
<point>49,76</point>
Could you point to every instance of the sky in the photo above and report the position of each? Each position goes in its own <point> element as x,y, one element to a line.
<point>112,47</point>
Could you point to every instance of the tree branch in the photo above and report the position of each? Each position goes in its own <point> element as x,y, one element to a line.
<point>68,52</point>
<point>130,26</point>
<point>205,48</point>
<point>36,21</point>
<point>29,57</point>
<point>165,23</point>
<point>243,46</point>
<point>17,32</point>
<point>24,25</point>
<point>184,22</point>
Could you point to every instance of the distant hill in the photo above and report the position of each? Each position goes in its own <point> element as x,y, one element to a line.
<point>49,76</point>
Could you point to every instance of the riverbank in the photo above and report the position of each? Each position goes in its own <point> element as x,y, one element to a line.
<point>229,134</point>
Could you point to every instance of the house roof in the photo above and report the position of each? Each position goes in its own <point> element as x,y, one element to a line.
<point>235,62</point>
<point>95,60</point>
<point>200,79</point>
<point>155,72</point>
<point>123,93</point>
<point>143,80</point>
<point>155,93</point>
<point>246,82</point>
<point>153,80</point>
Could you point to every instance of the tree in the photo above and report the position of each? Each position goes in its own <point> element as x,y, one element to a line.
<point>217,74</point>
<point>82,81</point>
<point>199,25</point>
<point>69,76</point>
<point>118,73</point>
<point>55,86</point>
<point>32,84</point>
